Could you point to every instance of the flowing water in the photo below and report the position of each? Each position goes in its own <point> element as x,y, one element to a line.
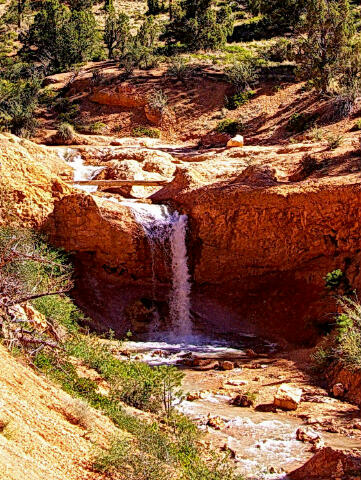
<point>165,231</point>
<point>81,171</point>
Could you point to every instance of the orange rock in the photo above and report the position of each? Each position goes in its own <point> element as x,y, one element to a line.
<point>287,397</point>
<point>31,176</point>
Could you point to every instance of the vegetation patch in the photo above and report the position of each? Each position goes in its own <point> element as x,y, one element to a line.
<point>146,132</point>
<point>239,99</point>
<point>230,126</point>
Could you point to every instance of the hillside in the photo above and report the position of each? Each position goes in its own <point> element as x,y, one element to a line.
<point>180,260</point>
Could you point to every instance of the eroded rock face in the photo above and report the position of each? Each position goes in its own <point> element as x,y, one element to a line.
<point>263,249</point>
<point>330,463</point>
<point>350,380</point>
<point>104,231</point>
<point>123,95</point>
<point>31,176</point>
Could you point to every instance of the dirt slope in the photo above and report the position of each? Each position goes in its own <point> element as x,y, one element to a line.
<point>38,440</point>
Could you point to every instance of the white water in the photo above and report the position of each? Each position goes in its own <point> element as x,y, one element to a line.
<point>81,171</point>
<point>167,230</point>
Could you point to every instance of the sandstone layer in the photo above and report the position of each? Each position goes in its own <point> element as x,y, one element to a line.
<point>31,180</point>
<point>265,246</point>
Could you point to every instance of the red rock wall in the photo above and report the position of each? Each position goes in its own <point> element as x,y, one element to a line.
<point>265,251</point>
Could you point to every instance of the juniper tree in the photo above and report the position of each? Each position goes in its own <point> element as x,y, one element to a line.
<point>117,32</point>
<point>197,24</point>
<point>327,30</point>
<point>60,37</point>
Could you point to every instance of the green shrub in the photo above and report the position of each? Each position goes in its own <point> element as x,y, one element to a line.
<point>238,99</point>
<point>179,68</point>
<point>123,457</point>
<point>241,75</point>
<point>61,310</point>
<point>146,132</point>
<point>18,102</point>
<point>92,128</point>
<point>280,51</point>
<point>300,122</point>
<point>230,126</point>
<point>334,141</point>
<point>349,333</point>
<point>66,132</point>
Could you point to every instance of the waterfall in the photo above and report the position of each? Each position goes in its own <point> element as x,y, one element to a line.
<point>162,228</point>
<point>165,230</point>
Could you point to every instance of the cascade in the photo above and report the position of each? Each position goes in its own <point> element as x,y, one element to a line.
<point>165,228</point>
<point>81,171</point>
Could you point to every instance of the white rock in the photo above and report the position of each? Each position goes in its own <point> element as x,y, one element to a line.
<point>236,141</point>
<point>287,397</point>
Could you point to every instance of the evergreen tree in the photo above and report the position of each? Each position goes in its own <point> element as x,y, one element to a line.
<point>326,45</point>
<point>279,15</point>
<point>117,32</point>
<point>60,38</point>
<point>198,25</point>
<point>153,7</point>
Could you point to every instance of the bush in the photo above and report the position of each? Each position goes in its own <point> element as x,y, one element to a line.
<point>92,128</point>
<point>158,100</point>
<point>18,102</point>
<point>78,412</point>
<point>230,126</point>
<point>123,457</point>
<point>334,141</point>
<point>241,75</point>
<point>238,99</point>
<point>146,132</point>
<point>179,68</point>
<point>300,122</point>
<point>61,311</point>
<point>66,132</point>
<point>280,51</point>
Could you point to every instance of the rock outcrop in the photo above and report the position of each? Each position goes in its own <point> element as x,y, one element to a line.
<point>350,380</point>
<point>330,463</point>
<point>31,180</point>
<point>263,247</point>
<point>124,95</point>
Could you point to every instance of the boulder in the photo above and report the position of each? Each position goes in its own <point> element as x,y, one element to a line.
<point>236,141</point>
<point>338,390</point>
<point>226,365</point>
<point>215,422</point>
<point>310,436</point>
<point>330,463</point>
<point>287,397</point>
<point>214,139</point>
<point>243,401</point>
